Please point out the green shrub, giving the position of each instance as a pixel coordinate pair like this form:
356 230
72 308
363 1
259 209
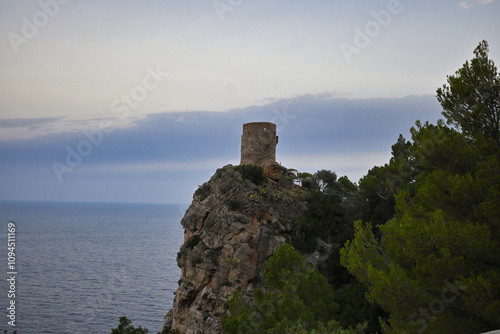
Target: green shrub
196 260
277 195
125 327
169 331
254 173
295 293
193 241
234 205
254 197
203 191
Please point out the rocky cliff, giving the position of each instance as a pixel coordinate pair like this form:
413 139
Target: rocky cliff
234 224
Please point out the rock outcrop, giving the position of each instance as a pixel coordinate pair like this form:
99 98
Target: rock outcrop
231 228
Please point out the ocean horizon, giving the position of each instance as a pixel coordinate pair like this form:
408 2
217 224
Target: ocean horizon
79 266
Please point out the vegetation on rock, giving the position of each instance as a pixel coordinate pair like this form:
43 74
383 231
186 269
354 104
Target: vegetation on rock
125 327
418 237
254 173
426 258
435 267
294 295
203 191
193 241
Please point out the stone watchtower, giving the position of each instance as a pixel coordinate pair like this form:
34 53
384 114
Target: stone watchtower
258 143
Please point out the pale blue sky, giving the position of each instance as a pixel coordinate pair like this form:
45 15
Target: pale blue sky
68 66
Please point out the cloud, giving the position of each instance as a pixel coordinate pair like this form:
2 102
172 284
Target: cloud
138 167
172 153
467 5
32 128
307 123
27 122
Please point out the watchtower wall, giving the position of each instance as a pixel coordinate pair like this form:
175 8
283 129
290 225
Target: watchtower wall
258 143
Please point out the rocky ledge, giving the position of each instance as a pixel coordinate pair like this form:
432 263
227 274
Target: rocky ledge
234 224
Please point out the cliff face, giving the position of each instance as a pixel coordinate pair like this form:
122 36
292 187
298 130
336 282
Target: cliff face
231 228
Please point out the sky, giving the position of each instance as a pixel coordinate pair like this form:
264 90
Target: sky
141 101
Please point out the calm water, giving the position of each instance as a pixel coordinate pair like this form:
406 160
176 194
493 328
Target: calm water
80 266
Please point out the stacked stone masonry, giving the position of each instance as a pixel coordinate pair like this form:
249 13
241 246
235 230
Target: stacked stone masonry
258 144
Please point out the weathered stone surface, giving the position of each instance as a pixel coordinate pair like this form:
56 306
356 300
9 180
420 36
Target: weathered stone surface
237 233
275 171
258 143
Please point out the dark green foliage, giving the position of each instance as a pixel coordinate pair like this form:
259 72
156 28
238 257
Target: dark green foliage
332 206
325 180
325 217
234 205
167 330
305 179
377 189
355 308
281 265
332 327
297 291
254 173
436 267
203 191
193 241
242 319
295 294
303 175
196 260
471 98
125 327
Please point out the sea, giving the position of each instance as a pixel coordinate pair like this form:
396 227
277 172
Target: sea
79 267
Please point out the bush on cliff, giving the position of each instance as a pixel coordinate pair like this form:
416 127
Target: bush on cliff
254 173
203 191
295 295
125 327
193 241
329 200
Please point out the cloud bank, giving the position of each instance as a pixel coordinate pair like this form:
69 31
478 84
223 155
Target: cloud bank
163 157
